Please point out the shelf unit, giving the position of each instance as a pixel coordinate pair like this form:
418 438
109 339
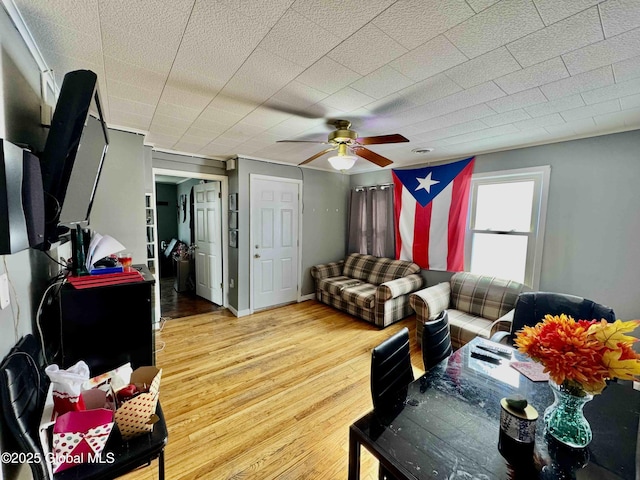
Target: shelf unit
150 213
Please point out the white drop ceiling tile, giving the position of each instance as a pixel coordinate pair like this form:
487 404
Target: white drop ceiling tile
460 129
185 114
460 116
482 134
298 95
433 88
466 98
133 74
65 41
129 119
479 5
414 22
244 131
180 125
619 16
390 105
147 53
265 118
367 50
161 140
605 52
582 82
591 110
224 104
562 37
517 100
382 82
230 139
189 143
298 39
632 101
506 118
133 92
553 11
79 15
534 76
555 106
214 120
497 25
198 129
631 117
294 126
429 59
609 121
167 131
611 92
627 69
328 76
265 12
161 22
185 97
486 67
548 120
340 18
347 99
126 105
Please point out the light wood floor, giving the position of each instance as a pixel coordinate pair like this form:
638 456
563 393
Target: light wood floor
266 396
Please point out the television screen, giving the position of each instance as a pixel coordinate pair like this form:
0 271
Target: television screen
74 154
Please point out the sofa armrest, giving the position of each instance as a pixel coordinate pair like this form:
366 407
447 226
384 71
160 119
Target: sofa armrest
503 324
430 302
326 270
399 286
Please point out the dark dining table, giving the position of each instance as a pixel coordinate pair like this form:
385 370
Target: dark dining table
446 425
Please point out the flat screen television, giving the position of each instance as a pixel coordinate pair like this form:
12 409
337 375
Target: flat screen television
73 155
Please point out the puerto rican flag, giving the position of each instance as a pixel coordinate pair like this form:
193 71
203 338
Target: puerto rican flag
430 211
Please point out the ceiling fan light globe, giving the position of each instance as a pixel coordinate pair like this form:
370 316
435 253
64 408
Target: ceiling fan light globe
342 162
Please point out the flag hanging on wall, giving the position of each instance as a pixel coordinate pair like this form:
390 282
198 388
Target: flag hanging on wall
430 209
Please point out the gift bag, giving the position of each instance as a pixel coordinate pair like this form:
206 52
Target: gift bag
67 386
80 437
137 415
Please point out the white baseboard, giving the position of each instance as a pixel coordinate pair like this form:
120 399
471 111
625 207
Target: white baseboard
241 313
304 298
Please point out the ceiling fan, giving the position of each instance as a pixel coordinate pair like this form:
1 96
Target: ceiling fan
346 141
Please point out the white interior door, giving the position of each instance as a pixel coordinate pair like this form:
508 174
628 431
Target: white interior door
207 207
274 223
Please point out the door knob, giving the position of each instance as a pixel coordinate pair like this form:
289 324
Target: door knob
256 256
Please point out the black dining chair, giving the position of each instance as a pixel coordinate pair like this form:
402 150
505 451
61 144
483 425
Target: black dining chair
391 373
436 341
23 388
531 307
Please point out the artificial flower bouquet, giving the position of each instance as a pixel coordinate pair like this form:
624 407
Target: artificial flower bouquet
581 355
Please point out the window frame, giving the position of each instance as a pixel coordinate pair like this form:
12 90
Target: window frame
540 176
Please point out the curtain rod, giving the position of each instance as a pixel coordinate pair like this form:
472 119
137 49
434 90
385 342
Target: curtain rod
382 186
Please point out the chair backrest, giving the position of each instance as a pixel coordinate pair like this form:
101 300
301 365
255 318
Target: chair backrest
391 370
436 341
531 308
23 387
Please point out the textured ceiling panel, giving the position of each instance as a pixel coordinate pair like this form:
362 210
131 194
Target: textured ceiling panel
222 77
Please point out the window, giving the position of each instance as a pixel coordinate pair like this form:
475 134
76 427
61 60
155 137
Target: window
505 232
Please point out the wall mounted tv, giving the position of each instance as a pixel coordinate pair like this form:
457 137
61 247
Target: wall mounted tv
73 155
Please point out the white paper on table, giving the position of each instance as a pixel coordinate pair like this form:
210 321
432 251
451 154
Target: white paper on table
104 246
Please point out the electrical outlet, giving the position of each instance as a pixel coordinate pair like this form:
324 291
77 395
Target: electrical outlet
4 291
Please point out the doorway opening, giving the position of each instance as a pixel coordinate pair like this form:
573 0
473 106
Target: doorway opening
178 244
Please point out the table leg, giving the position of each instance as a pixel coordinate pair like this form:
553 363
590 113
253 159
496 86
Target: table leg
354 457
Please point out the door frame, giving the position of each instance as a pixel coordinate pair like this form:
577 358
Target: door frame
256 176
224 190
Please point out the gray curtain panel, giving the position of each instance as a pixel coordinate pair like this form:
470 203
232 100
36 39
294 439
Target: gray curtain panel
371 226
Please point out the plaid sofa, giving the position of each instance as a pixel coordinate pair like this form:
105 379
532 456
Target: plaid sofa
372 288
478 305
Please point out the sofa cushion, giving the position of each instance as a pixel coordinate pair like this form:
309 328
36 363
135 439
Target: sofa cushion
362 295
359 266
386 269
482 295
465 327
334 285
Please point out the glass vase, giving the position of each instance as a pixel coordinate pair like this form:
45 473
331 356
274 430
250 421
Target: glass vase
564 418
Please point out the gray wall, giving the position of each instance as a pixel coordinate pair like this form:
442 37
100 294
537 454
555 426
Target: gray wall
186 163
184 228
593 221
324 199
167 214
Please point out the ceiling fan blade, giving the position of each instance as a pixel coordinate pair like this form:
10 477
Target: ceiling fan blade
373 157
393 138
302 141
319 154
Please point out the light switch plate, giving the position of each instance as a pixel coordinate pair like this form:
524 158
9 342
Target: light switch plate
4 291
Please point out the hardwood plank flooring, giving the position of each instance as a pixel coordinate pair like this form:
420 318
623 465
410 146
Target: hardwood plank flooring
183 304
266 396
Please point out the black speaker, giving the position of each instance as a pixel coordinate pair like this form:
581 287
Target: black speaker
21 199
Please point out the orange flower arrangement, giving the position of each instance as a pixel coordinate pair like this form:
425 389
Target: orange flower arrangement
582 354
